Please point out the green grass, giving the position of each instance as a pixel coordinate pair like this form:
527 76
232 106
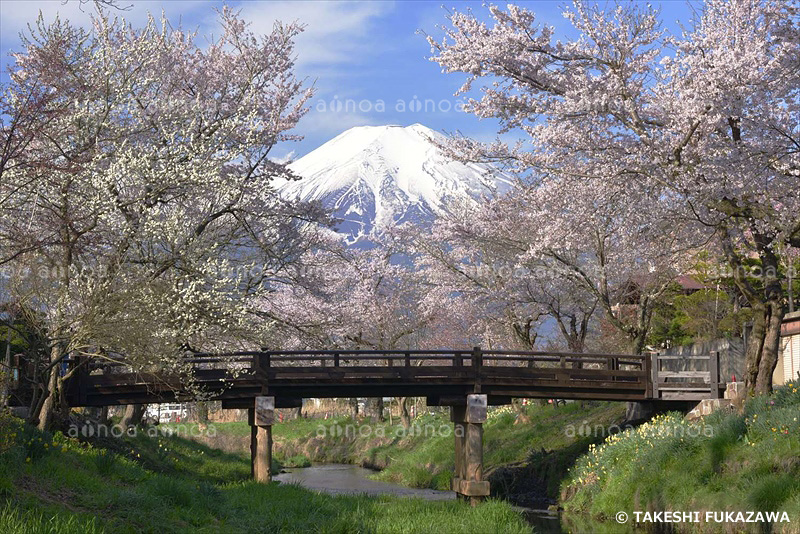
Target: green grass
727 461
13 521
51 483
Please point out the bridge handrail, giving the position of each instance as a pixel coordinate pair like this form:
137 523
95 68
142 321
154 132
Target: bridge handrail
397 354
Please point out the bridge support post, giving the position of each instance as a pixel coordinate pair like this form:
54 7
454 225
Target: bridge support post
261 417
468 422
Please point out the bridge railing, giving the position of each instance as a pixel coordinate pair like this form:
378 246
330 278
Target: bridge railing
475 366
690 377
333 365
475 358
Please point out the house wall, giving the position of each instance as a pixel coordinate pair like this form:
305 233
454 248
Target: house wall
789 357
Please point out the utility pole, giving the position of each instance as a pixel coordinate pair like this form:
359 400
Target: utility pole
716 312
6 370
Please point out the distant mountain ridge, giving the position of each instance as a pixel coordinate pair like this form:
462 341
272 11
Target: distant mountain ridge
376 177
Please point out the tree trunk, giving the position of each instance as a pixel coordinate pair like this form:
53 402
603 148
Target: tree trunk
133 415
761 355
405 414
37 399
754 346
639 411
354 407
101 414
201 409
5 374
298 412
520 415
48 407
377 406
769 347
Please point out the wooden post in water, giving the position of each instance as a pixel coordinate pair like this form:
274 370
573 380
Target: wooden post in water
468 425
263 416
459 432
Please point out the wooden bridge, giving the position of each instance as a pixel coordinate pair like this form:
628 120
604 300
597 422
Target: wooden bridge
466 380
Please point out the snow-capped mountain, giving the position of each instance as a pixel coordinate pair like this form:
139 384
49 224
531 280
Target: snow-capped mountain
376 177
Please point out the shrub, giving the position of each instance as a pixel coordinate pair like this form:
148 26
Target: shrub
10 428
36 444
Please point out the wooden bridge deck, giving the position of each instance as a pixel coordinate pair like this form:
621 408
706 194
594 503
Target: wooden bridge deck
445 377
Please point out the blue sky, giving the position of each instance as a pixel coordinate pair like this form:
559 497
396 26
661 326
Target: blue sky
366 59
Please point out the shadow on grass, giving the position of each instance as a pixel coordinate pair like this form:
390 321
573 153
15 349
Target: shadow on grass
173 484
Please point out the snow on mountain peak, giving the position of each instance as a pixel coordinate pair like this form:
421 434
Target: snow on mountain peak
375 177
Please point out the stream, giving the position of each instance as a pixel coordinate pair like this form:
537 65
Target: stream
342 479
339 479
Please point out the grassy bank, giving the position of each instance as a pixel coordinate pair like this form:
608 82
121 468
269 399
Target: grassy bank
51 483
726 462
423 455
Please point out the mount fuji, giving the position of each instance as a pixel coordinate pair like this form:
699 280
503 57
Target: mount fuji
375 177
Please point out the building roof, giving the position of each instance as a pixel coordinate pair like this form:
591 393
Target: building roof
690 283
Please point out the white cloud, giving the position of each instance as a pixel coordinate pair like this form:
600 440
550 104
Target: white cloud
287 157
336 31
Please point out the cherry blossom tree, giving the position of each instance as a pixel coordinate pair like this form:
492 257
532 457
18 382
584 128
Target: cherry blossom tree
138 214
479 267
352 298
360 299
526 263
700 130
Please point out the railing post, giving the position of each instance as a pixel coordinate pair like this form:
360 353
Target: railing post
261 364
477 363
477 358
457 362
336 359
654 368
713 370
408 359
81 377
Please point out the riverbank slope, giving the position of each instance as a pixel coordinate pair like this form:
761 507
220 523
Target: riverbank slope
51 483
724 462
